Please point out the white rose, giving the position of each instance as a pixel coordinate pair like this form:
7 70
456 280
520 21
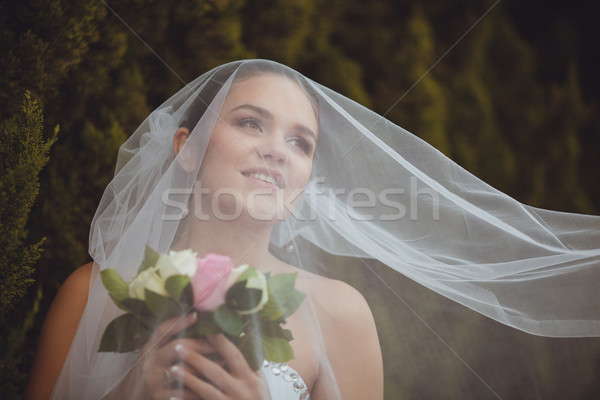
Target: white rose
236 273
256 281
177 263
147 279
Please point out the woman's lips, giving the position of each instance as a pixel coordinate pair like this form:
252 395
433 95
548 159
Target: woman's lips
272 178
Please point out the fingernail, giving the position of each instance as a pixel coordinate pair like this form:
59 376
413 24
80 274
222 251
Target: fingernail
177 371
194 316
181 350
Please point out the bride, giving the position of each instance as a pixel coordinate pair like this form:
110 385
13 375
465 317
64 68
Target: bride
254 161
256 165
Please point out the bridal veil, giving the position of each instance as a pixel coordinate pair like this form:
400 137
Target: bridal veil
383 210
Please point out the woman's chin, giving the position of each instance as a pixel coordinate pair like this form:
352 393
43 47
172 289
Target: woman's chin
266 216
258 216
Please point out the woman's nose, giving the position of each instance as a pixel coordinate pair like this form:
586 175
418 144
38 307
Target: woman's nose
274 150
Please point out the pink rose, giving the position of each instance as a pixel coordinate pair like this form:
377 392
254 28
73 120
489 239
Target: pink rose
210 283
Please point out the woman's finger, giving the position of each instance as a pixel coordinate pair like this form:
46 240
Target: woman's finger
177 388
168 328
179 394
197 384
243 383
172 351
209 380
234 359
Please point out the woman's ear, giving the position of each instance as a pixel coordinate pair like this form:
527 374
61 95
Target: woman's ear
186 159
180 138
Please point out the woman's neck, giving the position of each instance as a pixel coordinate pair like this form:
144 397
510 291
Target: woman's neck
243 243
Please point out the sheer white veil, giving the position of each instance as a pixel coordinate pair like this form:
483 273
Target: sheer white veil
381 205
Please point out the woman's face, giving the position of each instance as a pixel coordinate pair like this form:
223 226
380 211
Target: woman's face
260 155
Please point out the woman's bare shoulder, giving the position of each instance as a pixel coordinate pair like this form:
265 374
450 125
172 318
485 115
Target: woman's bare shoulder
350 336
58 331
337 303
336 298
80 279
72 295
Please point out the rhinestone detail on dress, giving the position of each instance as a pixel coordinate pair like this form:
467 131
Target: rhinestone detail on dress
288 375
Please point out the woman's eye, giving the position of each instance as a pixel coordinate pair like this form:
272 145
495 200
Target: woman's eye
302 144
251 123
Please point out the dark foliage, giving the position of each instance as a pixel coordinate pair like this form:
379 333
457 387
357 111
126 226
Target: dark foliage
512 101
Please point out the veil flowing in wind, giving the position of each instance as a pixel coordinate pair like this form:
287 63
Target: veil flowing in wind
383 210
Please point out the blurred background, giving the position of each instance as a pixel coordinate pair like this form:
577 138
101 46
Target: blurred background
508 89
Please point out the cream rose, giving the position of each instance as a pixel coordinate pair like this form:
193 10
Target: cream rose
147 279
236 273
256 281
177 263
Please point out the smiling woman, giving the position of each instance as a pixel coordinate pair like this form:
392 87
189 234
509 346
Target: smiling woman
260 152
256 162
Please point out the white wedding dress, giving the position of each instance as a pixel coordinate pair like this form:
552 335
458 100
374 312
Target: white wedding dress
284 382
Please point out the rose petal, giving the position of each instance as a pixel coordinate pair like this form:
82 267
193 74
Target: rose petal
210 283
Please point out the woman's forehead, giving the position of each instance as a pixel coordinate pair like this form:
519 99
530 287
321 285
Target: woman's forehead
255 86
276 93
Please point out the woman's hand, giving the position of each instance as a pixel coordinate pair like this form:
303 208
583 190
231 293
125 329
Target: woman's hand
150 377
211 380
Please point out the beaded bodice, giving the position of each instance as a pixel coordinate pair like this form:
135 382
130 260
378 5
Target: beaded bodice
284 382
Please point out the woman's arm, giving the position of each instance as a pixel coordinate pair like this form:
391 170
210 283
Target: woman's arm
58 332
352 346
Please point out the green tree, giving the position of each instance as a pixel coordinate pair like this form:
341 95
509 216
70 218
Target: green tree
422 103
477 132
41 42
45 44
502 107
23 153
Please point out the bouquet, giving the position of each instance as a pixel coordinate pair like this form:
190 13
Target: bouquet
249 307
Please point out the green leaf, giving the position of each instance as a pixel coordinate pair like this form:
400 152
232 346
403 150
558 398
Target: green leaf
175 286
277 349
135 306
293 303
240 298
116 286
150 259
281 284
123 334
287 335
284 300
187 297
250 346
248 273
160 306
275 330
228 320
205 325
120 303
281 287
271 311
256 348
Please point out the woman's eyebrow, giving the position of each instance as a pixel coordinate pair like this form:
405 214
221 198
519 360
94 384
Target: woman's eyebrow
259 110
307 131
267 115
